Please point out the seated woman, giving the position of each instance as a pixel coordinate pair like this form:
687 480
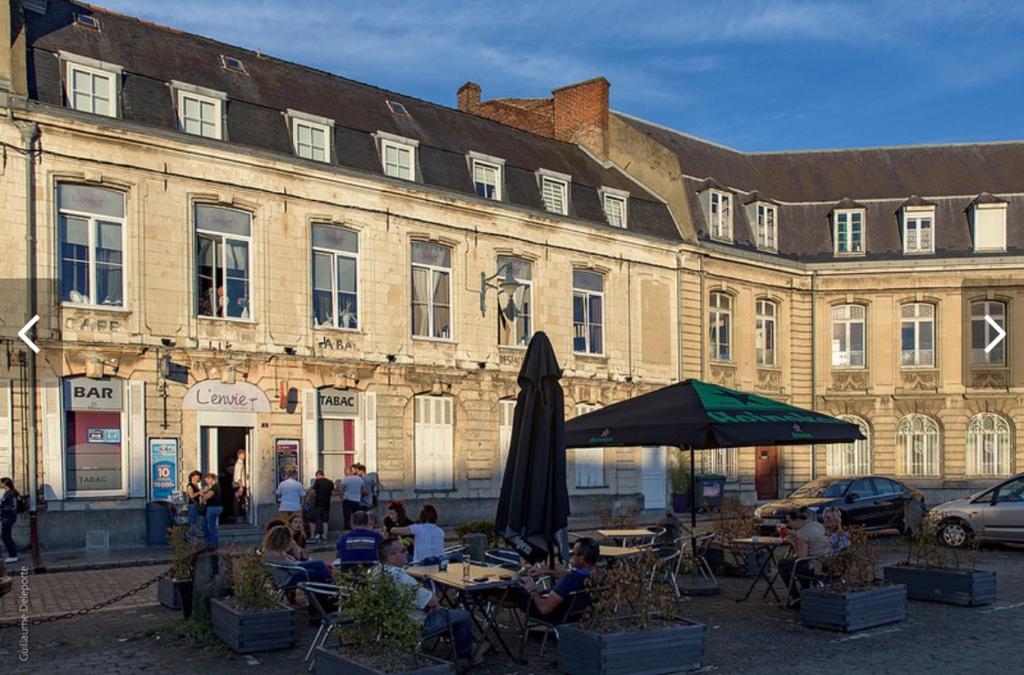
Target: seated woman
428 544
838 539
277 547
298 530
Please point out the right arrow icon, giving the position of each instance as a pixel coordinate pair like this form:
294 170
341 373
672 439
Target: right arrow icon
1000 334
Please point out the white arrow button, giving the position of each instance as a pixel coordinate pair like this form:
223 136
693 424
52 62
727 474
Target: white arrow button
1000 334
23 333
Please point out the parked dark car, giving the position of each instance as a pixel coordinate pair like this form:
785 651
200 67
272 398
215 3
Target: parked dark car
872 502
995 514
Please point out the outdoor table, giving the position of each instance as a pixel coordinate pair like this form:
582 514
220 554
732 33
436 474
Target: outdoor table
624 537
473 592
768 545
616 552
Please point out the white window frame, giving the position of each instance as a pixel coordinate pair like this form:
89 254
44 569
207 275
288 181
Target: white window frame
719 222
767 216
586 460
766 314
997 310
335 254
224 237
111 72
201 95
717 314
925 440
720 460
913 219
297 120
919 358
996 442
525 290
983 212
845 358
487 162
611 196
850 459
434 442
558 181
401 144
432 269
506 414
93 221
587 294
844 218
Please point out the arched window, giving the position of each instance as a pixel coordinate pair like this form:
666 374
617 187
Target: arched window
917 334
848 336
917 442
988 445
850 459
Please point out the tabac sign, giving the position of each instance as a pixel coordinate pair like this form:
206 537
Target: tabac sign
335 402
217 396
84 393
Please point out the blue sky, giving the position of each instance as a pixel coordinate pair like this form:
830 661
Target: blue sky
759 75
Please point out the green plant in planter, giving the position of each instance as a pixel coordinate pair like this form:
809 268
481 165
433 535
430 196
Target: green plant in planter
924 549
251 583
679 475
183 551
624 601
382 613
856 566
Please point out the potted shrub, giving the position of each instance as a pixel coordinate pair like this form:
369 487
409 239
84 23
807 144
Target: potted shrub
630 629
679 477
936 573
854 599
175 590
251 619
382 636
733 521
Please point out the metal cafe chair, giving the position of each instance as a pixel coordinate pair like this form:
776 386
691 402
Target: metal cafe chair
287 577
329 621
665 568
578 603
699 561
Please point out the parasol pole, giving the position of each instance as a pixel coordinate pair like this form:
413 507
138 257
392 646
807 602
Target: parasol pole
693 512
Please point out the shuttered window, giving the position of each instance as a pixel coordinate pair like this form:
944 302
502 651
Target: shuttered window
589 462
554 192
506 411
434 442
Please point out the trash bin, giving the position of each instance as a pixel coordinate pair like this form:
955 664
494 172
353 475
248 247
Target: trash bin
158 519
710 489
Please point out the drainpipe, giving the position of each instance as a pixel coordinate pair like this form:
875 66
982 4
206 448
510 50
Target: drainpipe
29 136
814 369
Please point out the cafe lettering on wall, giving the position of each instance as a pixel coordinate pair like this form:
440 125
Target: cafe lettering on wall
84 393
217 396
338 401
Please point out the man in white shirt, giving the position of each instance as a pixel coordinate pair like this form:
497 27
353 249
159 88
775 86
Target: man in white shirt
291 493
240 483
352 490
428 612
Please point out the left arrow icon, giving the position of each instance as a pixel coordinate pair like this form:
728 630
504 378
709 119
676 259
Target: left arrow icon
23 333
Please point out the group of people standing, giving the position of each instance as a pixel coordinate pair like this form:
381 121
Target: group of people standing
359 491
206 502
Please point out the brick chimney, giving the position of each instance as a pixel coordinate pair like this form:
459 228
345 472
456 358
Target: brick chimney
581 114
469 97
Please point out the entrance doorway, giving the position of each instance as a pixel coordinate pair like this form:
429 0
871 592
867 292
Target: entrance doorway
653 477
218 450
766 472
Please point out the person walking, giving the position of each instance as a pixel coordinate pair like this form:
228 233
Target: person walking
240 483
366 501
352 488
321 514
290 493
8 517
211 499
193 490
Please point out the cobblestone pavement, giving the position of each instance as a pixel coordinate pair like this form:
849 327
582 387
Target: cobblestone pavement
751 637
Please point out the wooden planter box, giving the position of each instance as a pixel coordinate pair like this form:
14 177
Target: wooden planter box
662 650
169 591
967 588
853 610
330 662
247 632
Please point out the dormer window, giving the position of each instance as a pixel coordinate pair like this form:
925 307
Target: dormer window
616 206
397 155
988 223
554 191
487 175
720 215
91 86
232 63
848 235
311 136
918 227
200 110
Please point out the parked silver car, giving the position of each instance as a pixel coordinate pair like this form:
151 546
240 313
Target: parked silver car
995 514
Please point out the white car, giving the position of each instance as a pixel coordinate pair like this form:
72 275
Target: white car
995 514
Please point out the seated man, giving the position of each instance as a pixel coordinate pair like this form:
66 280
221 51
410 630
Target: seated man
360 543
808 538
429 612
554 606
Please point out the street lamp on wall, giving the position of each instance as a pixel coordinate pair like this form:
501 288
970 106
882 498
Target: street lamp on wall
506 285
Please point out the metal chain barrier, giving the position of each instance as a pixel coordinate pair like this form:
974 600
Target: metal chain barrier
98 605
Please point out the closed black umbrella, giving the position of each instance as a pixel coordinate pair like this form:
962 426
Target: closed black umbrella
694 415
533 507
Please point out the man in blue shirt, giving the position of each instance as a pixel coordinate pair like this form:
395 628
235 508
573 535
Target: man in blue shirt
360 544
554 606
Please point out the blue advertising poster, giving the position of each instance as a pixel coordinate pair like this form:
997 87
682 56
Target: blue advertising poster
163 462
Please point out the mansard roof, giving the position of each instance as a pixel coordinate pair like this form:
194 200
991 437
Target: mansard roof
151 56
